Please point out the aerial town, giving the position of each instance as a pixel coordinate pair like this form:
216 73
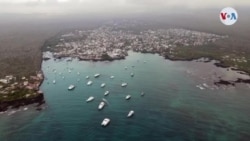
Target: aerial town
111 42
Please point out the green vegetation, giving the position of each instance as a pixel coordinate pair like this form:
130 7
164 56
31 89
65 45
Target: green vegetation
18 94
230 52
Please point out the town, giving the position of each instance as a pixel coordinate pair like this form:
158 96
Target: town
112 41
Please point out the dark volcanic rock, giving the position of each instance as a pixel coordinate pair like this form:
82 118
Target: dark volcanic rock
21 102
239 80
224 82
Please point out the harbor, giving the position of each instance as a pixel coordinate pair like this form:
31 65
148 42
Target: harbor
164 104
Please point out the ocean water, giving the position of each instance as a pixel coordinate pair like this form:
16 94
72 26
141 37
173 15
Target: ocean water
172 109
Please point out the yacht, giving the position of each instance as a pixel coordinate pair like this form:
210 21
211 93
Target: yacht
124 84
130 114
112 77
101 105
142 93
89 83
91 98
71 87
132 74
87 77
96 75
103 85
106 93
54 81
105 122
200 87
128 97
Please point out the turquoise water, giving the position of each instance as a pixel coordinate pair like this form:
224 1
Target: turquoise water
173 109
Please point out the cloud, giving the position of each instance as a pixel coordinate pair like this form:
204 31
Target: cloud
115 6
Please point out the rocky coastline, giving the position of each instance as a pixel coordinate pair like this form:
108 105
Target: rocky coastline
16 92
15 104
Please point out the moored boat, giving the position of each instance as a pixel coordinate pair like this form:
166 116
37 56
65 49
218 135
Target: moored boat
124 84
130 114
71 87
97 75
101 105
91 98
106 93
103 85
105 122
128 97
89 83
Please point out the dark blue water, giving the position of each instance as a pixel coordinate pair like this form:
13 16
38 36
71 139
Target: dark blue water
173 109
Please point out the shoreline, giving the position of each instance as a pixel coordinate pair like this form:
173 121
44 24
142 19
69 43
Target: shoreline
218 64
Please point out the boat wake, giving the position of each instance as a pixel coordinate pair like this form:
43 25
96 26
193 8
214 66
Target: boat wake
106 101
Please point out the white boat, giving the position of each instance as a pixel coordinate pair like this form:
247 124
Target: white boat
54 81
101 105
87 77
132 74
71 87
97 75
128 97
142 93
130 114
112 77
89 83
106 93
124 84
103 85
91 98
200 87
105 122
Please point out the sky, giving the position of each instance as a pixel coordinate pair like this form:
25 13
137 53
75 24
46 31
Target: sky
112 6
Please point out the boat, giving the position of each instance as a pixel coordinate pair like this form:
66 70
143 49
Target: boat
89 83
112 77
132 74
71 87
87 77
128 97
105 122
103 85
124 84
97 75
78 73
106 93
91 98
101 105
54 81
130 114
200 87
142 93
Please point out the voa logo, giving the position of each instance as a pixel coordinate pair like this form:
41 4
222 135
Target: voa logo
228 16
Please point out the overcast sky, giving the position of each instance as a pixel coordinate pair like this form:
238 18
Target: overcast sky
111 6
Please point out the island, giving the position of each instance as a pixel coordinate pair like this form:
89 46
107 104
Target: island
113 40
